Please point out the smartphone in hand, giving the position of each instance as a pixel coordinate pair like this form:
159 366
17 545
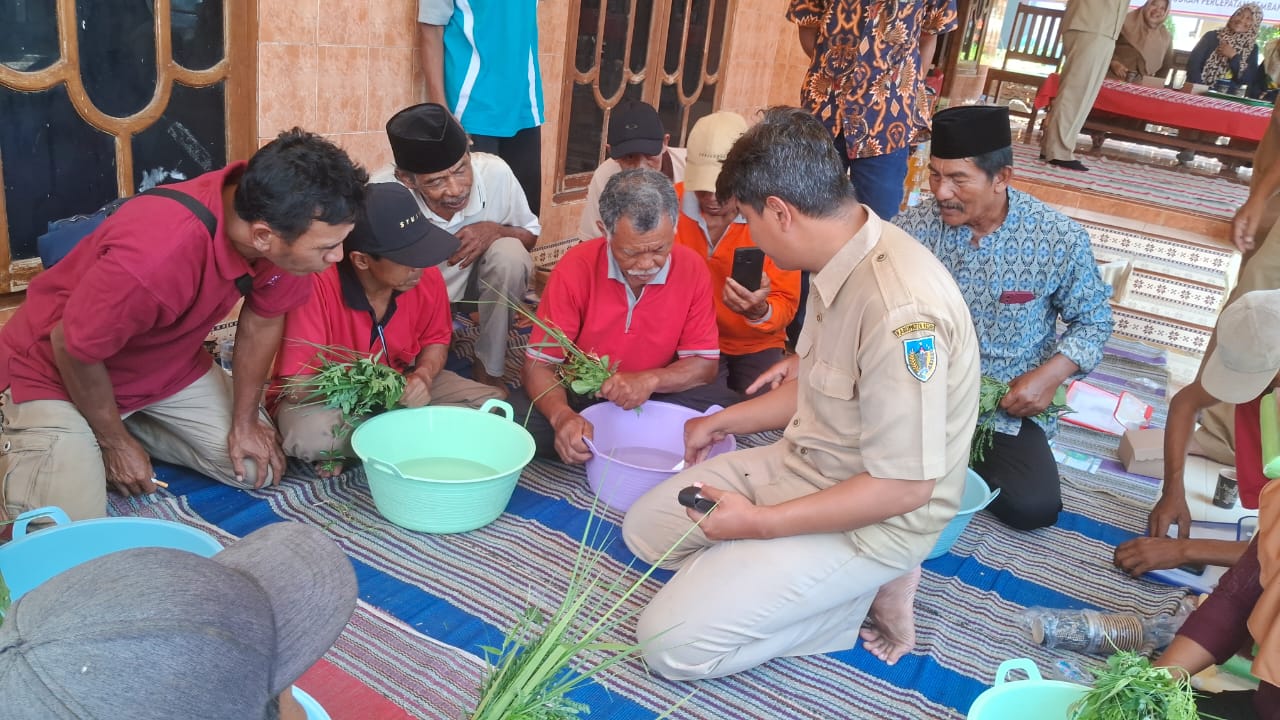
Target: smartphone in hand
748 264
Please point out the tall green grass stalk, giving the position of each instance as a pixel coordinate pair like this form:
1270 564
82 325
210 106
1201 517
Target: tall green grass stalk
541 660
582 372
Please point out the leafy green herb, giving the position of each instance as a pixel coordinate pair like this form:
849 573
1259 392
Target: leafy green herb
354 384
582 372
990 394
1128 688
541 659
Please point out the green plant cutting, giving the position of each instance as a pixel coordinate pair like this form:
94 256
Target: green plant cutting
582 372
1129 688
989 397
541 659
354 384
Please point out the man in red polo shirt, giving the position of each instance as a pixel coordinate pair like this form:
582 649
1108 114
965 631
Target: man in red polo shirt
753 323
386 296
632 295
104 363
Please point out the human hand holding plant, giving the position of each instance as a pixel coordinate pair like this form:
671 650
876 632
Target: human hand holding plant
990 396
628 390
417 390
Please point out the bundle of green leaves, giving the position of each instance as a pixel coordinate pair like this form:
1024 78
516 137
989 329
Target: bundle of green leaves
990 394
1128 688
582 372
354 384
544 658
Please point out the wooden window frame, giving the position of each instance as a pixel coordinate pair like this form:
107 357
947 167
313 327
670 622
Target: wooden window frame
571 187
240 28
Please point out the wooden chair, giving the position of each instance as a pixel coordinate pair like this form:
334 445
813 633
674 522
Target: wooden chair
1036 37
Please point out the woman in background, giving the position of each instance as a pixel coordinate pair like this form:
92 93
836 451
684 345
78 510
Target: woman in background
1145 46
1229 53
1266 78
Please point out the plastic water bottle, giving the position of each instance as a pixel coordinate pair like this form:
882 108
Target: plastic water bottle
226 351
1090 631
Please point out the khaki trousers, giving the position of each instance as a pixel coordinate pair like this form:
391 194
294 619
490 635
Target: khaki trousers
504 269
734 605
49 455
314 432
1088 55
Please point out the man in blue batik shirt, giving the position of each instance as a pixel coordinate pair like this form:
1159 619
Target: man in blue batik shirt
1021 266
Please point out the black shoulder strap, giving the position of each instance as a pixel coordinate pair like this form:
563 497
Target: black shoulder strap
244 283
197 208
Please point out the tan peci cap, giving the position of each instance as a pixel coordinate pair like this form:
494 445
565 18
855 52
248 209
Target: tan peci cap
1247 357
709 143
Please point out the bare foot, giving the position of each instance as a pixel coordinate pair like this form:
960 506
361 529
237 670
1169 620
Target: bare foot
891 632
327 468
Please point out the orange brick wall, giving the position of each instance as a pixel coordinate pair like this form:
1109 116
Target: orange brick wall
342 67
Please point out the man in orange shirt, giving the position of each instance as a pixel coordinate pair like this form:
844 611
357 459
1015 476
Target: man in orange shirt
752 323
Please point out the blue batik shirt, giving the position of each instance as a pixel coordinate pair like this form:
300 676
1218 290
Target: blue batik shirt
1035 268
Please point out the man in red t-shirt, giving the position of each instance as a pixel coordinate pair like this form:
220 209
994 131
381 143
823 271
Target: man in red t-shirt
635 296
104 363
1242 369
385 297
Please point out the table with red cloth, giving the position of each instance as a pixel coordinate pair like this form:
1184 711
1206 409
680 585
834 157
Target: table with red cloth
1244 124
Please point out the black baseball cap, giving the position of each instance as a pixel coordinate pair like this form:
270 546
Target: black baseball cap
634 127
393 226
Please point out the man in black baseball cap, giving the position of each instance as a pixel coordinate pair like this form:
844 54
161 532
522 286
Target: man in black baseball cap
635 139
386 299
475 196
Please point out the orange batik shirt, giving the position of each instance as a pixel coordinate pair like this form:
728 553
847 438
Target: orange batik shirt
865 79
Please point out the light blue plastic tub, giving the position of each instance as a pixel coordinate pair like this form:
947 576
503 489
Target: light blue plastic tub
977 495
30 559
309 704
443 501
1034 697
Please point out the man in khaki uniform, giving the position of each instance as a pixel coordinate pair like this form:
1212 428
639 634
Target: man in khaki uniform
1089 32
831 522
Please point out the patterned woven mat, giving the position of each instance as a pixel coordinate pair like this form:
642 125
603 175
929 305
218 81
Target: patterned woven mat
1148 182
430 602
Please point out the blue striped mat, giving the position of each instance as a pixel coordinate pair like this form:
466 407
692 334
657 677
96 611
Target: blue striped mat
429 603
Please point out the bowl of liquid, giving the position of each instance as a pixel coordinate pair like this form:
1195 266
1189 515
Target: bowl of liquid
443 469
634 450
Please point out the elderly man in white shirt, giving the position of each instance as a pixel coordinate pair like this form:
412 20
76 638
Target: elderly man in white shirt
476 197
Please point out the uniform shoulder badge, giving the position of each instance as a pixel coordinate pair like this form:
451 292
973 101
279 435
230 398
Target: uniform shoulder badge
917 326
921 356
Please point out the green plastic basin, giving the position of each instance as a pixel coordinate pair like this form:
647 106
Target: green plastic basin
477 456
1022 699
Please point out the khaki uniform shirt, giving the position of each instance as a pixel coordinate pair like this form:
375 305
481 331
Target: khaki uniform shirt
1104 17
889 378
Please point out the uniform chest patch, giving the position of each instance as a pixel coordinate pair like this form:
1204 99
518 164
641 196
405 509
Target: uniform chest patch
922 358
